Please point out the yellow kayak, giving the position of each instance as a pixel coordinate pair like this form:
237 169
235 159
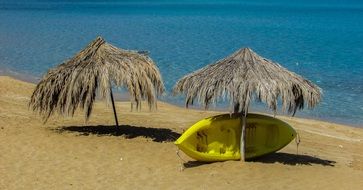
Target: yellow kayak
217 138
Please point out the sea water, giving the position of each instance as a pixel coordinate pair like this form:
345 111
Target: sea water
321 40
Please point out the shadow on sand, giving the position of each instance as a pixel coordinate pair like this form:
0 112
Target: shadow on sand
294 159
280 157
127 131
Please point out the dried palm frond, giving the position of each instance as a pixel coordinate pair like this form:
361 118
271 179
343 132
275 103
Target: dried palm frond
74 83
244 75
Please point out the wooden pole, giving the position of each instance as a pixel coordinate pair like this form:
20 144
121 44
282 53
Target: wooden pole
113 107
243 130
243 137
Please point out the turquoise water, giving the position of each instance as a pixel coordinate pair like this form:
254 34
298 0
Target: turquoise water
321 40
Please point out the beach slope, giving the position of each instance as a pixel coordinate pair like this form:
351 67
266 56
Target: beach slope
68 153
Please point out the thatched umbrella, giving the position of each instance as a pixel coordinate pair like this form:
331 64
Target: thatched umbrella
75 82
244 76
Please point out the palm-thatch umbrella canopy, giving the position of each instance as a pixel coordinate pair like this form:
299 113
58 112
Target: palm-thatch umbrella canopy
75 82
244 76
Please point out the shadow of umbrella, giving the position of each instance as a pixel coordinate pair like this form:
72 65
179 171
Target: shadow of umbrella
127 131
294 159
283 158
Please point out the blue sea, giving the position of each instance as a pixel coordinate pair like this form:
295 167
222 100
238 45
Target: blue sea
321 40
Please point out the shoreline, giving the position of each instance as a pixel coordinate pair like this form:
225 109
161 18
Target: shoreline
19 76
124 97
305 117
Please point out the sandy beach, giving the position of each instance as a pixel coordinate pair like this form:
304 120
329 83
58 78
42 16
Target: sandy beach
67 153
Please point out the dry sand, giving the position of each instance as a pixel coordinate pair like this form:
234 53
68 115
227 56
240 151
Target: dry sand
67 153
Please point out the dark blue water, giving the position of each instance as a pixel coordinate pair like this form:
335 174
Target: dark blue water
321 40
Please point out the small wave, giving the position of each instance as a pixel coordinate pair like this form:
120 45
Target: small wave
18 75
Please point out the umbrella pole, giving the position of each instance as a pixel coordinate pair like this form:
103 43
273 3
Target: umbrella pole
113 107
243 137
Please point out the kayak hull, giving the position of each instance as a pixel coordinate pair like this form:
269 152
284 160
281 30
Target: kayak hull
217 138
